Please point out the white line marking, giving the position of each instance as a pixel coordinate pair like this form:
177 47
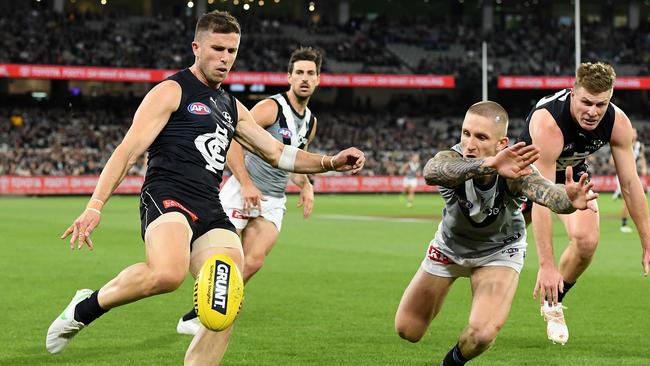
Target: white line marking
373 218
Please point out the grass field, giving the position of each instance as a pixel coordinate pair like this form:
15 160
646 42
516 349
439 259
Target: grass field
326 296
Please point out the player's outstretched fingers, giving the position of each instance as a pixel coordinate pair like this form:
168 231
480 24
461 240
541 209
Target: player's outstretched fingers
89 242
75 234
568 175
67 232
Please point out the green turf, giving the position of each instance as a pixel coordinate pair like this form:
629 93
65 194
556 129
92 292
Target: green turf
326 296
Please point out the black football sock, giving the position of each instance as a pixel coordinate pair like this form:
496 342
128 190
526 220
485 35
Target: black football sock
88 310
190 315
567 287
454 357
624 221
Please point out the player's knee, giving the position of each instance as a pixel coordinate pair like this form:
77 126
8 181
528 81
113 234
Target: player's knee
482 336
586 245
253 264
407 330
166 281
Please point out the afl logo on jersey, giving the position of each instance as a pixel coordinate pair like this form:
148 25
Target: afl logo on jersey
198 108
285 133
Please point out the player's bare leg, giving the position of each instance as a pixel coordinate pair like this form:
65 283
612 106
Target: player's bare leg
208 347
411 196
420 303
168 258
583 229
625 215
258 239
493 289
167 250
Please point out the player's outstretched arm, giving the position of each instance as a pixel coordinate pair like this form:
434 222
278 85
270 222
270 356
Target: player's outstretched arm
289 158
562 199
545 132
150 118
631 187
450 169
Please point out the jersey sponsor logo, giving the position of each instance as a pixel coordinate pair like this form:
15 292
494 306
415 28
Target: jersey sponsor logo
198 108
220 294
240 214
172 203
213 147
285 133
434 254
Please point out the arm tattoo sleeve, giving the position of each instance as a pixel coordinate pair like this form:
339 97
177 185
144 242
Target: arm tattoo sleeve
449 169
542 191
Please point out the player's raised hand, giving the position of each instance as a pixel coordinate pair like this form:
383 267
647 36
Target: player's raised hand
306 200
580 193
514 161
82 227
251 197
350 159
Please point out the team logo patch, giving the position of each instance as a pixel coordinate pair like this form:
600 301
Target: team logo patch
198 108
285 133
227 117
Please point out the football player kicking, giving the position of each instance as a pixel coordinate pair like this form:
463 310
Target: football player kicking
186 123
254 198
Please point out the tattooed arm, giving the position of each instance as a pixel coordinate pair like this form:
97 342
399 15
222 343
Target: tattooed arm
450 169
560 198
542 191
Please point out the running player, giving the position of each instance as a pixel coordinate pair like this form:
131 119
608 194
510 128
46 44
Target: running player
642 168
411 171
254 198
482 234
571 125
186 123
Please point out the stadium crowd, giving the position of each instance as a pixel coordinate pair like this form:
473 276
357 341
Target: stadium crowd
361 45
58 141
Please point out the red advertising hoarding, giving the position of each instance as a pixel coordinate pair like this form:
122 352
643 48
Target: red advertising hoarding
560 82
51 185
265 78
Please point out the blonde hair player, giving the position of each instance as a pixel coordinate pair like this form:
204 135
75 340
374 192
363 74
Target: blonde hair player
571 125
482 234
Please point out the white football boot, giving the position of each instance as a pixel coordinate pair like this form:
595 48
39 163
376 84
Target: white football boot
189 327
64 327
626 229
556 328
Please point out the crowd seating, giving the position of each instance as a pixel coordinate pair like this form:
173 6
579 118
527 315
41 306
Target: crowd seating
530 47
58 141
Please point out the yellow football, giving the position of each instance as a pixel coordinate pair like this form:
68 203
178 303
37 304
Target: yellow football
218 292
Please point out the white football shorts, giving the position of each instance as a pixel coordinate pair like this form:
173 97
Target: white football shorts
230 195
441 262
410 182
